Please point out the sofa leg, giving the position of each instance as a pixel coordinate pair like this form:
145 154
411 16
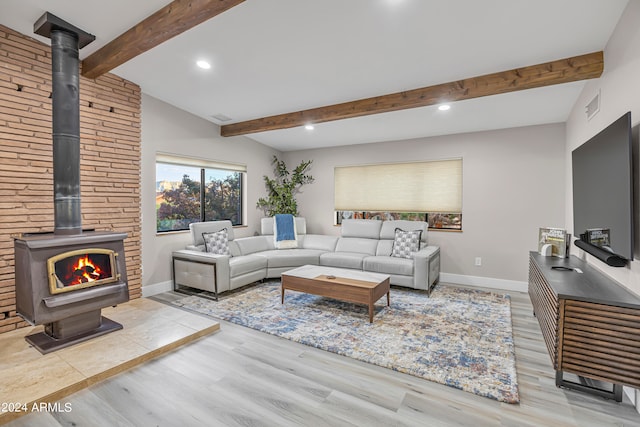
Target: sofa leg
431 286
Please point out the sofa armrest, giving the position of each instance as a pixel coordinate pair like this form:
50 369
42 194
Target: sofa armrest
427 251
195 248
426 264
200 256
187 273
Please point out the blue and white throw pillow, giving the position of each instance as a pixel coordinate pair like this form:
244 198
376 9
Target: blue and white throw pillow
406 243
217 242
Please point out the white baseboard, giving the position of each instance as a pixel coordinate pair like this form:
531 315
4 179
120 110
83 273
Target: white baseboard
485 282
157 288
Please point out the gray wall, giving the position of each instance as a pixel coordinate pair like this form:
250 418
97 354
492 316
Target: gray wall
619 88
171 130
513 183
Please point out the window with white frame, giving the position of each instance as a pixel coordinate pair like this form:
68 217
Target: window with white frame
195 190
426 191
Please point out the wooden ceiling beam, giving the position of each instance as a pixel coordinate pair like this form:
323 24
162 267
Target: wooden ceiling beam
173 19
566 70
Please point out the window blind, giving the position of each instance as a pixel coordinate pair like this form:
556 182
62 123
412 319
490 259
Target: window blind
433 186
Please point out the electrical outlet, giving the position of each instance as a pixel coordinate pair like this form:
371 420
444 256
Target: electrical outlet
478 261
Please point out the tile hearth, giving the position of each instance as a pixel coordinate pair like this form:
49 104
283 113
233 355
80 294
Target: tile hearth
150 330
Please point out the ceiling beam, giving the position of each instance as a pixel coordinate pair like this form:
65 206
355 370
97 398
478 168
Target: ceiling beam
566 70
173 19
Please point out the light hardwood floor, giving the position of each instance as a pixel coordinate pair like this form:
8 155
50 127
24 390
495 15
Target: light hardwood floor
241 377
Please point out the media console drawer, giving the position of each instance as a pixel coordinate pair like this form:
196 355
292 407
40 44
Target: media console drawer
590 324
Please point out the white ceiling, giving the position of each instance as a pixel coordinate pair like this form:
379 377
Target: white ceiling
278 56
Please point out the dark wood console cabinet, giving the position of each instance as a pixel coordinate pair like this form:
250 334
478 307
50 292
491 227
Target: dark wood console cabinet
590 324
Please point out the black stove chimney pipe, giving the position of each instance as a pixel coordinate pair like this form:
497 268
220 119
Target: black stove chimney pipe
66 41
66 132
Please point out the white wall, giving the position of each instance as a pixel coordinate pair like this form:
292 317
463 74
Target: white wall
619 88
171 130
513 183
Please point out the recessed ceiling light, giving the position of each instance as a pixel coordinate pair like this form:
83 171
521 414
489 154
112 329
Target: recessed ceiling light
203 64
444 107
309 127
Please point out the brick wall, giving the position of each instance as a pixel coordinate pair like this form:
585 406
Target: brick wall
110 158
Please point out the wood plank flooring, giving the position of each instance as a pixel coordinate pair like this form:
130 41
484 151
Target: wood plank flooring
241 377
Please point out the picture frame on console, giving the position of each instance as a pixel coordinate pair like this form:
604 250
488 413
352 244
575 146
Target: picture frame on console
557 238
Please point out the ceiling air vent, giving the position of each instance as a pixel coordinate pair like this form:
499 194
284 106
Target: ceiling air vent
220 118
593 107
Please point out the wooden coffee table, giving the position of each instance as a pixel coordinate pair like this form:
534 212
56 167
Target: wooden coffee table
339 283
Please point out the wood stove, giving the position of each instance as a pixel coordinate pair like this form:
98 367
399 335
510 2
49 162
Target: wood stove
51 292
65 278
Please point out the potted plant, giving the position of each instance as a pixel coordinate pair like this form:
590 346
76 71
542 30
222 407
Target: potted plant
282 189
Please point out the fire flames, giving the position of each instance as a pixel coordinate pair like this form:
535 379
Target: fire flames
85 271
81 269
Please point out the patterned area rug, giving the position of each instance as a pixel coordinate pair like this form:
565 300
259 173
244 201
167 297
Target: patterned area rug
458 337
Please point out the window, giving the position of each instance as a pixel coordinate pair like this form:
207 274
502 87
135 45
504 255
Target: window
436 220
190 190
422 191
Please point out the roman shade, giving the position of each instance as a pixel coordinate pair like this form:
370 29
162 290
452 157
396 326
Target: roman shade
432 186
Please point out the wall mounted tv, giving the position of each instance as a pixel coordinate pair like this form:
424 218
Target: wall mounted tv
603 194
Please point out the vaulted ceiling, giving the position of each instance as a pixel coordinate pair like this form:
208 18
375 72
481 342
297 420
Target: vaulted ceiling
315 58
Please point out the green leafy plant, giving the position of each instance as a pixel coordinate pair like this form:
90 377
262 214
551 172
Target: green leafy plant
282 189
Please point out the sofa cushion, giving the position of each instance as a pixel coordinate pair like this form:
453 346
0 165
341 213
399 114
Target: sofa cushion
217 242
320 242
388 265
246 264
249 245
384 247
366 228
406 243
355 244
343 259
291 257
234 249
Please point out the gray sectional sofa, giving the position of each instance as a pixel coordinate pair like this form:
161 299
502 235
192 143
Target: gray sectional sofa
363 245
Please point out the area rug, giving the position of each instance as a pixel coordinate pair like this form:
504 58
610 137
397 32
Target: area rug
458 337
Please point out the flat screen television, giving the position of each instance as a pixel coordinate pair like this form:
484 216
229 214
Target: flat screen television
603 193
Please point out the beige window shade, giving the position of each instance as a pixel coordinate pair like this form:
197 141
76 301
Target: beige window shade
434 186
200 163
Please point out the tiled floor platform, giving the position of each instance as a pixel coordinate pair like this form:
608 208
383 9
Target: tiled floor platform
150 329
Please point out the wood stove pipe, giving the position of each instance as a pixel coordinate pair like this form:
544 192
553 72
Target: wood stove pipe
66 41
